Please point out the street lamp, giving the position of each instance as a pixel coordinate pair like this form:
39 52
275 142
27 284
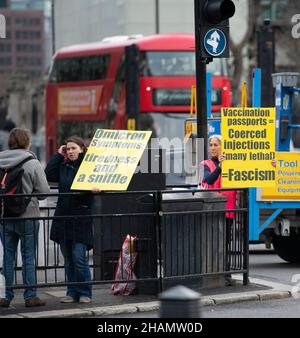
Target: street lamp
34 114
53 25
156 16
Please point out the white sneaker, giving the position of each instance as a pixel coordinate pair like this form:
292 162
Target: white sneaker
84 300
68 300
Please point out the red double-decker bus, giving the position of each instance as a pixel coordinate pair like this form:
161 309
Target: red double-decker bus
149 79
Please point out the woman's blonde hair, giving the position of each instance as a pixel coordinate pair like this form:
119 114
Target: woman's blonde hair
218 137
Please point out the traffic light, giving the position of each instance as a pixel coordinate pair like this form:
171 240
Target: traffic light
212 18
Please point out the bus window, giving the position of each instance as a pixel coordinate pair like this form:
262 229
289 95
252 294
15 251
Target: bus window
168 125
175 63
218 67
78 69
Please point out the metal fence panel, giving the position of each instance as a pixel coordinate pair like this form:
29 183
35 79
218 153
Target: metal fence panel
180 236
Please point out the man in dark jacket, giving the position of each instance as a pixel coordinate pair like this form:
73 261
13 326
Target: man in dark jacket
75 235
25 229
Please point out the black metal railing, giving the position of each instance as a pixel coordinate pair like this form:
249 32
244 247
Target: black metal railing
175 235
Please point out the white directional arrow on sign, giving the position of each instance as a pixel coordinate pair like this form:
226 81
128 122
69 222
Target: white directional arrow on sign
214 41
215 36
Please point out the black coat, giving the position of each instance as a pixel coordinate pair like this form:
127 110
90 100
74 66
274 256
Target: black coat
79 230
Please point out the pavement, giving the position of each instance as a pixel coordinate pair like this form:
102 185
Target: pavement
106 304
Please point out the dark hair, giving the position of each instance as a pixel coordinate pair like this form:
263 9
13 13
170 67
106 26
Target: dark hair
19 138
78 140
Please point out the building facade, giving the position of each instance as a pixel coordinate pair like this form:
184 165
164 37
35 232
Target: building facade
23 65
22 51
39 5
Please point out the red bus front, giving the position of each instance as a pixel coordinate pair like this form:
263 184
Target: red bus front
86 88
165 90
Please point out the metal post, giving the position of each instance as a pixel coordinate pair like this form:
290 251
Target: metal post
179 302
156 16
200 83
253 205
53 25
132 86
266 61
158 220
246 238
34 114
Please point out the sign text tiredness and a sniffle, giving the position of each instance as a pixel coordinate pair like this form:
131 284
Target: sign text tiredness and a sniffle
248 141
111 159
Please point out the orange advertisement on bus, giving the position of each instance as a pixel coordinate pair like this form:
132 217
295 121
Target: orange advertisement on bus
79 100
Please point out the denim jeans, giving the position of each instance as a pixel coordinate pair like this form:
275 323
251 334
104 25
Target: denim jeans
77 268
11 233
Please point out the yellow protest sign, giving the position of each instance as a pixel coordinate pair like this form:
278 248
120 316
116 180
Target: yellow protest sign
248 141
111 159
287 178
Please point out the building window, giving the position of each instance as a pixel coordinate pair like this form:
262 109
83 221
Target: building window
273 10
36 48
5 61
5 48
3 3
34 73
35 22
29 48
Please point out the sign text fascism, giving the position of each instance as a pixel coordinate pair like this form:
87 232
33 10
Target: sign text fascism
248 141
287 178
111 159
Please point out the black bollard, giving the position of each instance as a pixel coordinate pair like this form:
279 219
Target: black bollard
179 302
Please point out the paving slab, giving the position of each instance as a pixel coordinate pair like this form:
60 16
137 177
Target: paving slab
104 303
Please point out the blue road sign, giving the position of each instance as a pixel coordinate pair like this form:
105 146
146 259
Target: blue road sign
215 42
213 127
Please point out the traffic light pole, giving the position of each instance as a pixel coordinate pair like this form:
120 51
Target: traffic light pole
201 102
200 84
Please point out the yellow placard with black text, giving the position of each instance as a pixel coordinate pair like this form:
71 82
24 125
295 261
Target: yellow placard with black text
111 160
248 141
287 178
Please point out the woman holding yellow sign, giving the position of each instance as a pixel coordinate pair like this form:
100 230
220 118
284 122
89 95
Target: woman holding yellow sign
74 235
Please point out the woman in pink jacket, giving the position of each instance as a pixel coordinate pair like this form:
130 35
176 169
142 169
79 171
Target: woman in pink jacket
212 173
212 179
